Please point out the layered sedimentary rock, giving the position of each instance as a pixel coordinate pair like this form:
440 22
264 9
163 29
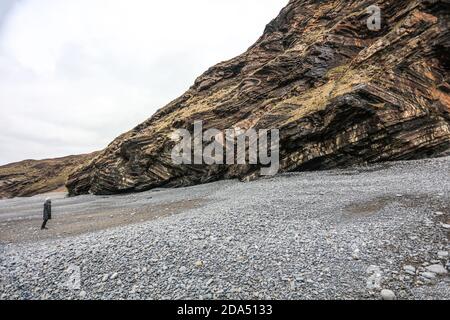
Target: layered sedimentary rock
339 92
31 177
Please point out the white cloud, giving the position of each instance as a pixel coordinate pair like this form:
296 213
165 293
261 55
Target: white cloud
75 74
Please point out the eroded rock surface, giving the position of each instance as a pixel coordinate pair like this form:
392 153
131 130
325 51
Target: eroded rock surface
32 177
339 93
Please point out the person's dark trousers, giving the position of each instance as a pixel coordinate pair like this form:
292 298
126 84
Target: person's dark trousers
43 224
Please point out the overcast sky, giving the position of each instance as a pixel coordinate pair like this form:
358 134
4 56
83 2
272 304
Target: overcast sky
75 74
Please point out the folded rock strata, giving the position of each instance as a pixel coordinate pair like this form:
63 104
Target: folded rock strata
340 94
31 177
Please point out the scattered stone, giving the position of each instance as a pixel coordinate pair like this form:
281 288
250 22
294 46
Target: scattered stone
373 269
434 261
199 263
355 254
437 268
410 269
387 294
182 269
292 285
429 275
374 281
317 264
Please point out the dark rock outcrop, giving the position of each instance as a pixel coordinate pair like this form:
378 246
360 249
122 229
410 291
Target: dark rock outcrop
339 93
31 177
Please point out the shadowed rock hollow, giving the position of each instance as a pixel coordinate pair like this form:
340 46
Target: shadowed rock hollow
339 93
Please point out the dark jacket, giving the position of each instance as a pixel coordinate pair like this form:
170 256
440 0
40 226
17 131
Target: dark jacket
47 210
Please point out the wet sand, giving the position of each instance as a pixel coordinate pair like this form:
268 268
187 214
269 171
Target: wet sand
21 222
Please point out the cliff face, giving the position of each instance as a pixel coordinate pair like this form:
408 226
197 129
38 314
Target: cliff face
339 93
30 177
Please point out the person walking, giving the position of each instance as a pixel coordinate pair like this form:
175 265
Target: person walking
47 213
